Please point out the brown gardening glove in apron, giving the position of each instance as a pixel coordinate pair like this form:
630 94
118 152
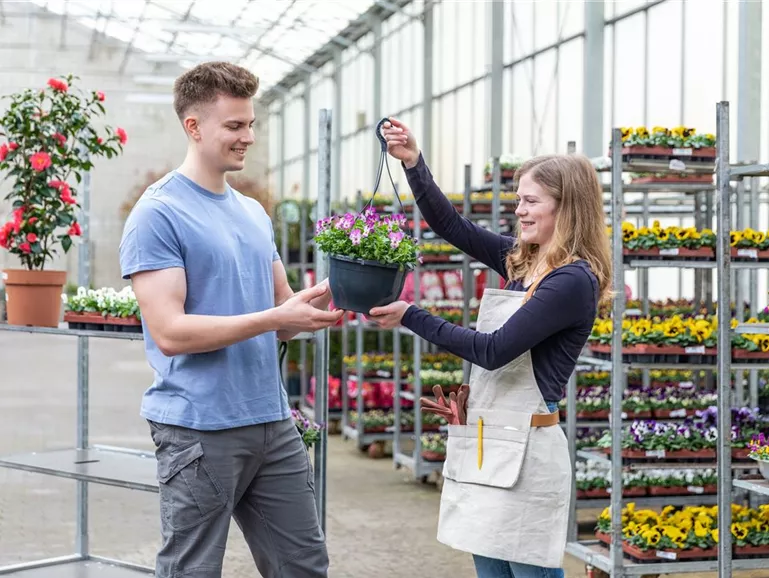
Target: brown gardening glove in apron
454 410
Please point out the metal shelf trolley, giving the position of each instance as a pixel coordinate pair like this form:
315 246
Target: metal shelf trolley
611 559
128 468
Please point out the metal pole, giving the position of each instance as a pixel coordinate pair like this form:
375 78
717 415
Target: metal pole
306 134
617 373
359 320
496 82
417 364
571 436
593 79
84 280
723 266
398 383
492 278
284 258
754 223
303 375
468 285
427 81
321 338
738 289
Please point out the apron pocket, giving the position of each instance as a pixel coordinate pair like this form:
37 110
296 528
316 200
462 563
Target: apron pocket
501 456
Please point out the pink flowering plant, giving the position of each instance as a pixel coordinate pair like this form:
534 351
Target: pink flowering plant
308 429
47 138
368 236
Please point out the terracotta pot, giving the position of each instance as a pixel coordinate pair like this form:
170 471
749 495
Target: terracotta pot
668 491
707 178
34 297
429 456
675 252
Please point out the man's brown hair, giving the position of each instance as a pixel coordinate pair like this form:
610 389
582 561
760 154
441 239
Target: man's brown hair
205 82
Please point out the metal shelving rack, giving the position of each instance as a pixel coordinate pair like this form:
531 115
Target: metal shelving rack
612 559
88 464
130 468
419 467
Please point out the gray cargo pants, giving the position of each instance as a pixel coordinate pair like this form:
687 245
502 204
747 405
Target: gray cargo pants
261 476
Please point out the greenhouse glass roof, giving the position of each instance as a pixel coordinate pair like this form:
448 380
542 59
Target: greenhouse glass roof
270 37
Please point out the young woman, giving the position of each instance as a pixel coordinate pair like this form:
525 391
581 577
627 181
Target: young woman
507 475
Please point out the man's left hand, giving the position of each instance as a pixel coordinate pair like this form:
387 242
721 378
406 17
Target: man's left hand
389 316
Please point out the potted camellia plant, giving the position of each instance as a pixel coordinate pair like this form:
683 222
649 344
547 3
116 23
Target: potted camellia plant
369 258
48 140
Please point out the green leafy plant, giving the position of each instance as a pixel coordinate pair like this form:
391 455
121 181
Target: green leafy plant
50 138
367 236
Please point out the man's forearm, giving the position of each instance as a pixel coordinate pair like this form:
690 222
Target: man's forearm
187 334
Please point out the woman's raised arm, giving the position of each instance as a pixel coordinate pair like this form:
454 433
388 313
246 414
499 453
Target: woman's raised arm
481 244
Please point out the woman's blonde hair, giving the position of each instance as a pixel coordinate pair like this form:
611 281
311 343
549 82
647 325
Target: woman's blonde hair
580 231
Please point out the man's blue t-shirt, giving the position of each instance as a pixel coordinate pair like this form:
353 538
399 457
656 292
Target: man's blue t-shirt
225 244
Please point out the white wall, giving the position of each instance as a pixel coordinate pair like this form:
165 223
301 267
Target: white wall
37 46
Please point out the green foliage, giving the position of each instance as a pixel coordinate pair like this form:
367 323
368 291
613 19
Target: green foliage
51 139
367 236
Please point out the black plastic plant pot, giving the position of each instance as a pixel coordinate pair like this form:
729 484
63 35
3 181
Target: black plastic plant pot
359 285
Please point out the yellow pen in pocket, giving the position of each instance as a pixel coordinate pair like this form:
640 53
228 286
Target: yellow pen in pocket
480 442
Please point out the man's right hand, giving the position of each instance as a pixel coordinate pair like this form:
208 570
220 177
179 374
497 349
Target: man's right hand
298 314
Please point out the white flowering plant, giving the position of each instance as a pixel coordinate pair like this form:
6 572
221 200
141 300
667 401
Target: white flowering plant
105 301
368 236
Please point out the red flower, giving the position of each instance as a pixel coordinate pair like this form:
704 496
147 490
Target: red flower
66 196
40 161
18 217
100 96
60 138
75 230
3 152
13 145
57 84
5 235
99 140
32 220
121 135
57 184
31 237
25 248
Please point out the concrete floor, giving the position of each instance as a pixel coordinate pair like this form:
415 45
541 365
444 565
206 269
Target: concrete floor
380 524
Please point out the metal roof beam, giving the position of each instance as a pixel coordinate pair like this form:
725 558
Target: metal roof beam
356 30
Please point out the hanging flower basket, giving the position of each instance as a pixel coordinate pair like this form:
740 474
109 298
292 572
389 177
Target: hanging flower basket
369 255
369 258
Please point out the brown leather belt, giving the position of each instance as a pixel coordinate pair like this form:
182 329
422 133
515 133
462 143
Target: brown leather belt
545 419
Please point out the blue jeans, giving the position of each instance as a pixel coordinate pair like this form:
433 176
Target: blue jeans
492 568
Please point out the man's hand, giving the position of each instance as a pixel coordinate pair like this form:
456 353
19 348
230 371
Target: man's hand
299 313
323 301
389 316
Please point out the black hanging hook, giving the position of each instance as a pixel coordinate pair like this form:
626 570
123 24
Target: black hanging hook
381 138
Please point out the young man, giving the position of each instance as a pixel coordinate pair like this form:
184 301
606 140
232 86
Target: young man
214 297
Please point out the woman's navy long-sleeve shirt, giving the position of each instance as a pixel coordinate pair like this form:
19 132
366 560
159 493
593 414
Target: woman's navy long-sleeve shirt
554 324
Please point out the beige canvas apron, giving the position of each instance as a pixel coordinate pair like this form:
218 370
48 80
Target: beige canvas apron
511 500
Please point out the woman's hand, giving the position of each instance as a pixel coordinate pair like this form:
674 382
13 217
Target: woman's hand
401 144
389 316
